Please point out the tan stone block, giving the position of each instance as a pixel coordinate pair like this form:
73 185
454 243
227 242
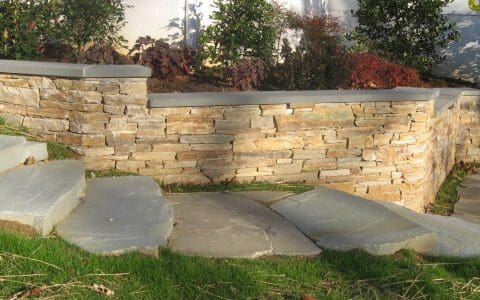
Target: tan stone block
409 108
205 155
320 164
121 127
267 144
87 117
133 88
337 153
12 119
169 147
20 96
92 140
151 133
368 155
386 154
206 139
102 151
213 112
156 156
86 128
285 169
382 139
252 172
167 111
354 163
309 154
68 138
13 109
262 123
397 124
277 112
236 113
20 82
85 85
108 88
370 121
348 132
233 125
334 173
114 109
75 96
134 110
127 149
63 84
373 183
41 83
46 125
347 187
268 155
180 164
120 138
243 133
361 142
378 169
321 117
301 105
85 107
284 161
129 165
100 165
180 124
54 95
209 147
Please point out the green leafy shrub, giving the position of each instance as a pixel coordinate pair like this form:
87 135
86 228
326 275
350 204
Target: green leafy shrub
405 31
318 62
241 28
26 27
91 21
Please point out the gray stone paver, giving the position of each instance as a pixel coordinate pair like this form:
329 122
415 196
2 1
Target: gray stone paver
120 215
230 225
340 221
468 204
41 195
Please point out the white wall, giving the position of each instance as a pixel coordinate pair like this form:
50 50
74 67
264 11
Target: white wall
164 19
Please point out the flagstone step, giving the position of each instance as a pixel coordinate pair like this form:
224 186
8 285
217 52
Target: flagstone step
15 150
41 195
231 225
120 215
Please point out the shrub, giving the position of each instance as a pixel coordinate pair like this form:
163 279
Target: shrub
240 28
102 53
318 62
165 60
91 21
26 27
247 73
369 71
407 32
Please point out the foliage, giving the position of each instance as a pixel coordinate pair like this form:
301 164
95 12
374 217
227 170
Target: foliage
102 53
247 73
26 27
405 31
91 21
296 188
318 62
370 71
165 60
241 28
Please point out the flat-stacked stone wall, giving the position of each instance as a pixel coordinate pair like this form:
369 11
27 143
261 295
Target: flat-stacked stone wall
395 145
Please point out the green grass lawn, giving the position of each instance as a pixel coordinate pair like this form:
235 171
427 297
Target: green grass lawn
52 268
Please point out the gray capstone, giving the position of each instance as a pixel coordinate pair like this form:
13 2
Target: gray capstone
120 215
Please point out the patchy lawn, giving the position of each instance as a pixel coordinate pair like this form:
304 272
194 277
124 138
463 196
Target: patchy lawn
447 196
48 267
55 151
237 187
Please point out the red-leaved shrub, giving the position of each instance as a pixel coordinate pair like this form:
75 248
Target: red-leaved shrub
165 60
247 73
370 71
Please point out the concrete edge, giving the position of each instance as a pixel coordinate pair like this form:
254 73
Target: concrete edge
73 70
281 97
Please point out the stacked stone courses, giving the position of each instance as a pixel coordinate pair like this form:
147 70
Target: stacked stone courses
393 146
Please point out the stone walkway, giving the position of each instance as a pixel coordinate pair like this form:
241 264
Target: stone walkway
130 214
468 205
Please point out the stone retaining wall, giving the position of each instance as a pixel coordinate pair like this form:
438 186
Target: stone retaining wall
385 145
